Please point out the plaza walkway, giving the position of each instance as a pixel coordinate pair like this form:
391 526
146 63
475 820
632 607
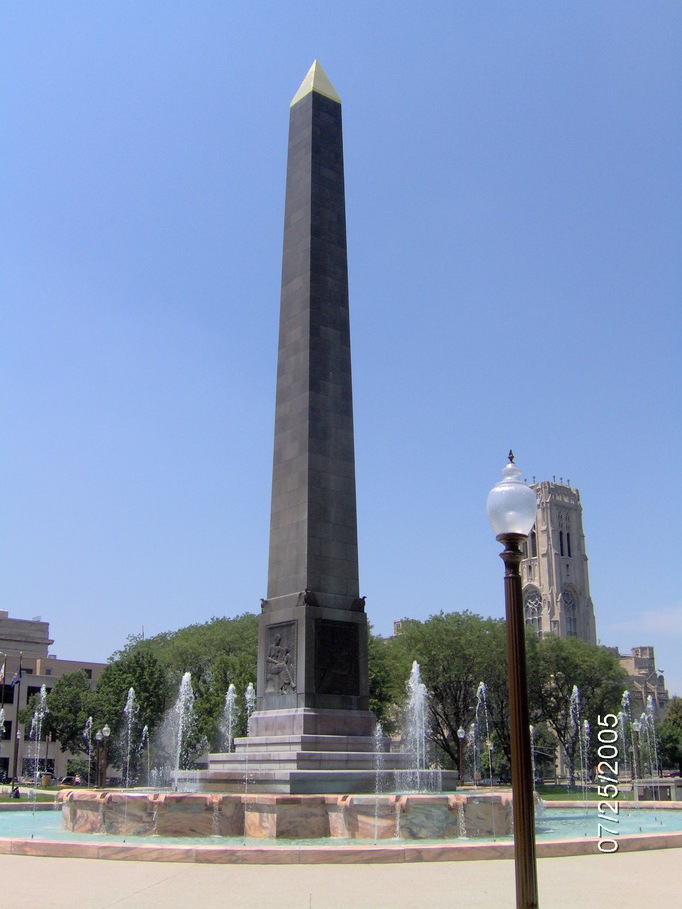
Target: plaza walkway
623 880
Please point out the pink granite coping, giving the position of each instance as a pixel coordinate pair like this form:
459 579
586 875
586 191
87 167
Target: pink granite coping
325 854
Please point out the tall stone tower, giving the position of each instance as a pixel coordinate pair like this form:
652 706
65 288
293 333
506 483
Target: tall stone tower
312 731
556 585
312 673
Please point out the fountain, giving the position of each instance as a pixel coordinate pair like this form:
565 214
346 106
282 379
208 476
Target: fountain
36 733
406 794
418 776
228 719
175 736
482 707
146 744
379 816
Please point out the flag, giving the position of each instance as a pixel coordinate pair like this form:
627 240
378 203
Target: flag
17 675
2 671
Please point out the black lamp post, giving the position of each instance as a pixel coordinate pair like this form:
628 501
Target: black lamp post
511 511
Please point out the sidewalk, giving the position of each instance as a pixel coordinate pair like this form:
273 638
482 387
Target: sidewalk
623 880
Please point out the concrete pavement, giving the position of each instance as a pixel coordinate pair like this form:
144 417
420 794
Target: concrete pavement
622 880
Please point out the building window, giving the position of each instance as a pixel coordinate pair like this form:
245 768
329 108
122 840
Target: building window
533 544
7 731
533 610
88 673
570 613
8 695
568 544
561 542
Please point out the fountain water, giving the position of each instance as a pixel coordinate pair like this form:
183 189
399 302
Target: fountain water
87 735
473 745
418 777
532 754
482 708
625 717
130 712
228 720
378 770
482 721
651 724
250 702
182 720
36 732
145 744
576 737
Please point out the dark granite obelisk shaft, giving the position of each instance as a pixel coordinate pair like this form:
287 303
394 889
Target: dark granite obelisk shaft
313 634
313 530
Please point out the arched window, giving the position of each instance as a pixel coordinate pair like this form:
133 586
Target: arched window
533 610
568 544
570 613
533 544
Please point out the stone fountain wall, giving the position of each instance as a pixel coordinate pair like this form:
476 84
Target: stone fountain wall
422 816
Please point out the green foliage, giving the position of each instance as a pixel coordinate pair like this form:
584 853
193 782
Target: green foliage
381 681
80 767
138 669
69 704
216 653
669 733
455 651
563 663
545 751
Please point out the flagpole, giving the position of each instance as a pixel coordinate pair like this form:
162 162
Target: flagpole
2 681
16 684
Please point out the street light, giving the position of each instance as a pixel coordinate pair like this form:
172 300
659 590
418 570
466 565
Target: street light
511 510
98 740
461 735
106 732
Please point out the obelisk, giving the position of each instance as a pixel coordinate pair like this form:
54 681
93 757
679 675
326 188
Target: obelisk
312 672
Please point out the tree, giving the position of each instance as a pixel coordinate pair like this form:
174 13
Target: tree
69 704
670 735
215 653
565 663
381 683
140 670
455 651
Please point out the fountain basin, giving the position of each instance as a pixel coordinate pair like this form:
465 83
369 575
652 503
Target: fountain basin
274 816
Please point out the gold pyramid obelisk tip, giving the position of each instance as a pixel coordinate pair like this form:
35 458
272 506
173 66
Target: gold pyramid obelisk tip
316 81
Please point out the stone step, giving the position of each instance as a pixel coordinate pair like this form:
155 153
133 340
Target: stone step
313 743
279 780
310 760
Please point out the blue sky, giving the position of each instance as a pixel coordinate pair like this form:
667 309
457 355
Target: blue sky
513 206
